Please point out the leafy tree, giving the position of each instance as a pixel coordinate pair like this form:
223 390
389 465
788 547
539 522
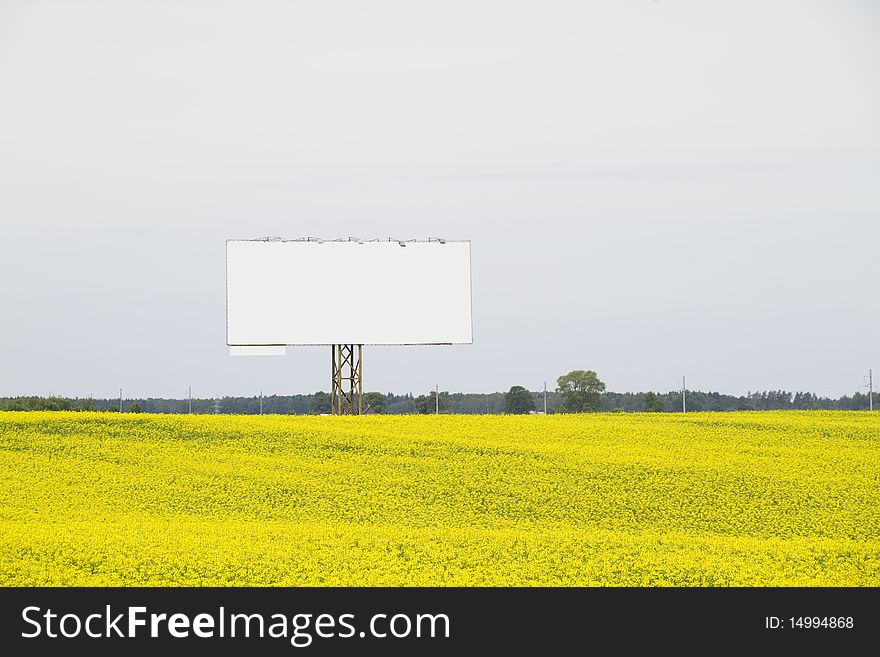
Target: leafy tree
581 391
427 404
135 408
518 400
397 404
320 403
375 401
653 403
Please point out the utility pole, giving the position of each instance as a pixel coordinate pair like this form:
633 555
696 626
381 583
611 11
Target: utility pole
261 402
545 398
437 398
120 400
684 408
216 405
190 400
870 390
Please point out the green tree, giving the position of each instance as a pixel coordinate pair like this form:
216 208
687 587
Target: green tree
581 391
427 404
518 400
135 408
653 403
320 403
375 401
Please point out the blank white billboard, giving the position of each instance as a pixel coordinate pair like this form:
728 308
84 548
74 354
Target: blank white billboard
296 292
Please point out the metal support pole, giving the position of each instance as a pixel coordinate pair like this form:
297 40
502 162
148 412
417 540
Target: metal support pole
346 394
684 407
360 378
333 383
437 398
545 398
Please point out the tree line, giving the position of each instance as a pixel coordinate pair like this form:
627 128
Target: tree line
577 391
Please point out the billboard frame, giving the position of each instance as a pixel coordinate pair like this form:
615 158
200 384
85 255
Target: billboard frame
347 357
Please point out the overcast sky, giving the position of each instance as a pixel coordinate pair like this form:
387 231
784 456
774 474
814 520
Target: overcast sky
652 189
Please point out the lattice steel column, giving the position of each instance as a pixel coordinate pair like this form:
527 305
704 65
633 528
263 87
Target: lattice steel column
346 387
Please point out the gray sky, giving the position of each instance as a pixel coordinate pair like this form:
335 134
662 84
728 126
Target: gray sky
652 188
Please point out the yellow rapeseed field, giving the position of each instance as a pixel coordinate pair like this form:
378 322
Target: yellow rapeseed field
704 499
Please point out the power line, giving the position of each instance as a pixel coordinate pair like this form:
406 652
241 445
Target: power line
870 387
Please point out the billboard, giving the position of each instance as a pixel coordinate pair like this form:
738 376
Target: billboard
311 292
